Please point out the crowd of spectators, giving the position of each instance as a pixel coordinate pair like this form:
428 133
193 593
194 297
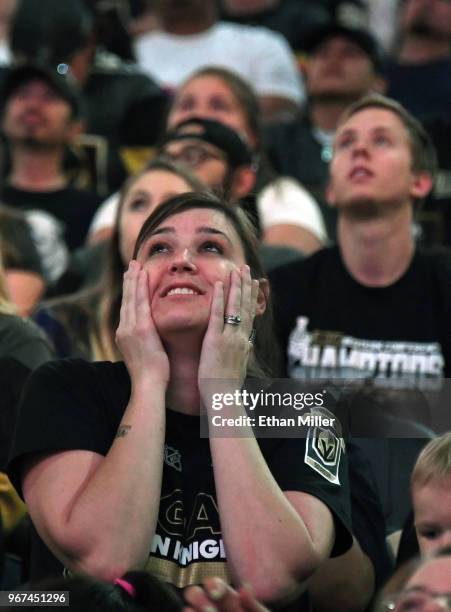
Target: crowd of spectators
199 197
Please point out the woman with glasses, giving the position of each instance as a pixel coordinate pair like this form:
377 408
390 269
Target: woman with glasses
288 215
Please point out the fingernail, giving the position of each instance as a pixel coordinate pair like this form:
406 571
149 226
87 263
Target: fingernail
210 609
217 592
248 587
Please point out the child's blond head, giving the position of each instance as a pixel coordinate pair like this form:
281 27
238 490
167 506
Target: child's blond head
434 461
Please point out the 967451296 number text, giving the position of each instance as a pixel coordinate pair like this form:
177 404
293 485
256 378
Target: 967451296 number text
34 598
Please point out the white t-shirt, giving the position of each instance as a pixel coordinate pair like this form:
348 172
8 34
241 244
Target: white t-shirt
282 201
105 215
260 56
286 201
5 53
48 235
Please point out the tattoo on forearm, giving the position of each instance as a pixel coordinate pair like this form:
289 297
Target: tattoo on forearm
123 431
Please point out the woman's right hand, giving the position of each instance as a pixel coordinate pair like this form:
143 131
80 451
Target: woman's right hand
137 337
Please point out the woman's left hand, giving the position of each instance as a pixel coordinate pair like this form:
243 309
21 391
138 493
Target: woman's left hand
218 596
226 347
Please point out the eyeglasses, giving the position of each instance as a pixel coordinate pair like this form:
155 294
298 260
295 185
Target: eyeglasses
194 156
415 600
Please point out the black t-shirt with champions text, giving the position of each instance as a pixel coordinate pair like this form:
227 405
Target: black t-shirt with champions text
331 326
73 404
398 337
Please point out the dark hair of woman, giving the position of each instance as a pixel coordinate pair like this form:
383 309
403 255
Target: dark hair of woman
134 592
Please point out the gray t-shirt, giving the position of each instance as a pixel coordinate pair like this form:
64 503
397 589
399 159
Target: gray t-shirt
22 339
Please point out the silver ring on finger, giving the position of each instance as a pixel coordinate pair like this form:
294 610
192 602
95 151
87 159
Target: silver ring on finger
232 319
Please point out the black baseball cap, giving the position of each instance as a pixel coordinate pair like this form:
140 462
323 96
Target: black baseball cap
215 133
50 31
361 37
59 78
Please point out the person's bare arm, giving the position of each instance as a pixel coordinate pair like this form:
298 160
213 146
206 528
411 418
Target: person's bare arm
98 514
274 540
25 289
276 108
104 233
293 236
344 583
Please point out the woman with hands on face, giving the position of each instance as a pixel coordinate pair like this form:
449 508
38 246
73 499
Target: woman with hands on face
84 323
121 478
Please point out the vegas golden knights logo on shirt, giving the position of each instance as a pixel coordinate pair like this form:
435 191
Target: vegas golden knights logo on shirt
324 447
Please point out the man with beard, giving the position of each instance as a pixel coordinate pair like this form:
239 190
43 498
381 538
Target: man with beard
420 75
343 65
374 306
122 106
191 37
41 118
